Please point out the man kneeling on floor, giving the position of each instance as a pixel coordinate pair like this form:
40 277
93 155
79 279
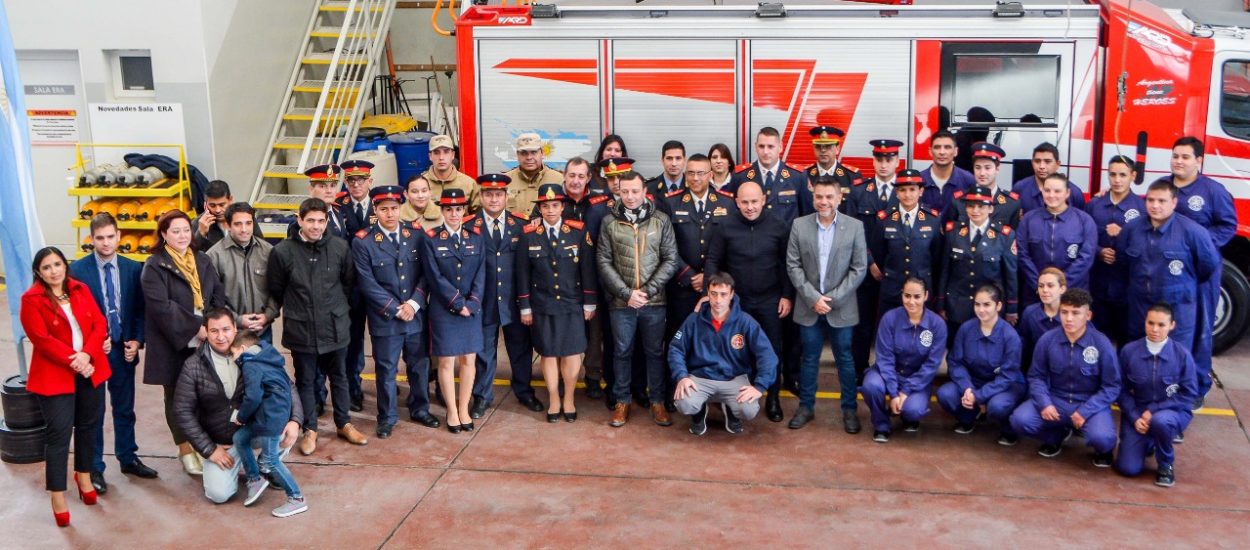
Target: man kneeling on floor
711 357
210 389
262 414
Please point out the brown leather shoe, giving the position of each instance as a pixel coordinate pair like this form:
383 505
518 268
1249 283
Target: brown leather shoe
620 415
352 436
308 442
660 415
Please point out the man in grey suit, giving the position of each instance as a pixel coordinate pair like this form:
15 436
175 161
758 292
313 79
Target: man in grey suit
826 259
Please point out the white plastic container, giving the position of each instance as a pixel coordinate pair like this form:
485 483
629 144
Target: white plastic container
385 169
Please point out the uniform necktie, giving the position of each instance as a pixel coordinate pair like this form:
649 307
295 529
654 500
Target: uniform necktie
551 234
360 214
976 237
885 193
110 295
698 208
907 220
496 232
455 239
768 180
394 238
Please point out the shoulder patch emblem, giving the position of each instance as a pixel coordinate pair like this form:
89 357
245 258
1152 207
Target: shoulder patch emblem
575 224
989 233
361 234
376 238
406 233
881 214
813 173
1002 199
963 231
430 232
1006 230
443 234
839 172
1014 195
785 173
950 226
530 229
958 195
895 216
751 174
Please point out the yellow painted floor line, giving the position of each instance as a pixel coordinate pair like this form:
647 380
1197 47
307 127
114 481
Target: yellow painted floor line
1208 411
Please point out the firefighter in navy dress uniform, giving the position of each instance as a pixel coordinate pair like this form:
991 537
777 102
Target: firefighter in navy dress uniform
826 144
456 273
977 252
985 165
557 291
355 205
391 282
905 242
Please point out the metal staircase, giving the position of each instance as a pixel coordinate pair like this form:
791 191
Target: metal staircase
325 99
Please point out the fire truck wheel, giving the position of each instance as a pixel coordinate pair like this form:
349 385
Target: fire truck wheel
1232 315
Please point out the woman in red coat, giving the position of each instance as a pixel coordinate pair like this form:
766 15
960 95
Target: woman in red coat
67 373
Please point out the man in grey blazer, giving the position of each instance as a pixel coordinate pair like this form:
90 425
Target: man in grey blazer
826 259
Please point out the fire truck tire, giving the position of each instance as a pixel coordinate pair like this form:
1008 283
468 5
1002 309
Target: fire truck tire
1232 316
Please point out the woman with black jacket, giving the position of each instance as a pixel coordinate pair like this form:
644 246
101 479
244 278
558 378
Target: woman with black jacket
179 284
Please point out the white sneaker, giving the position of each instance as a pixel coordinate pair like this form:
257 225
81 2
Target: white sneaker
291 507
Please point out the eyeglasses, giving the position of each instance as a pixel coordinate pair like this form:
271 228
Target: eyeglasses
356 181
698 174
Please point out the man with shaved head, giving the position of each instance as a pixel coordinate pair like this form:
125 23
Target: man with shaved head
751 246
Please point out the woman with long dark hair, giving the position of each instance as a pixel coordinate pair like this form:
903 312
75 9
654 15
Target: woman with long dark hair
722 165
67 372
612 147
179 284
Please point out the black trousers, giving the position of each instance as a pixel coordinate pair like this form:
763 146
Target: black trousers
331 365
76 414
765 313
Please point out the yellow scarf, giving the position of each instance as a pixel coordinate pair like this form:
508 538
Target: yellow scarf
186 264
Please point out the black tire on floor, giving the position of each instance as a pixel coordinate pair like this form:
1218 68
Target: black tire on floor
1233 313
21 446
21 408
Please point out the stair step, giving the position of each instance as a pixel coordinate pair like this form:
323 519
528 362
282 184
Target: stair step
298 143
333 32
314 86
285 171
274 201
324 58
306 113
341 6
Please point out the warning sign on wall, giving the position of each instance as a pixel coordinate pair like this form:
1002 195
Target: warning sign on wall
53 126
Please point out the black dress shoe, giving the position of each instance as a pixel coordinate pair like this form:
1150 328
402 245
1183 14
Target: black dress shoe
553 417
532 403
426 419
850 422
139 469
97 481
478 409
570 416
453 428
772 407
467 427
593 389
801 418
357 405
384 431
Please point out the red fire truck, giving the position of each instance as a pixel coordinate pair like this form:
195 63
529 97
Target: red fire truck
1115 77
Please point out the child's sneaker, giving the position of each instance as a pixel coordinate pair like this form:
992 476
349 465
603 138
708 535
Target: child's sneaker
255 488
294 505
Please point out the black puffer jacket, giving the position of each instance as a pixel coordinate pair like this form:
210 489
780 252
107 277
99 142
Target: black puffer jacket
311 281
202 409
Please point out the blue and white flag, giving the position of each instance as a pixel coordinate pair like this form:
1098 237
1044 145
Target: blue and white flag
19 228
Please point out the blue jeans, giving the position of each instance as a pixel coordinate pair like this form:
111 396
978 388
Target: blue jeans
646 325
813 341
270 458
121 390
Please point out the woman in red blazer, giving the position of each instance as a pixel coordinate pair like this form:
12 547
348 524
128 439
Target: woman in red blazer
67 373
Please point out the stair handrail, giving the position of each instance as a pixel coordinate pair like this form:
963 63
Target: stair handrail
331 71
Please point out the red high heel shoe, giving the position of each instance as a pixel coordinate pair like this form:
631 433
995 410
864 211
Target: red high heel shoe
88 498
62 518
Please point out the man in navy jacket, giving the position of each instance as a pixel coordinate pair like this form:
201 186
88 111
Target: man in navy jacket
712 357
122 306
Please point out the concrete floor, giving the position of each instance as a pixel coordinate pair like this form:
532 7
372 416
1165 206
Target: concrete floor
518 482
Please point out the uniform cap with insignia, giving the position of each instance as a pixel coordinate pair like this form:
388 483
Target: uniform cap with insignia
984 150
908 176
441 141
885 146
356 168
387 193
324 172
550 192
453 197
979 195
529 142
616 166
493 181
826 135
